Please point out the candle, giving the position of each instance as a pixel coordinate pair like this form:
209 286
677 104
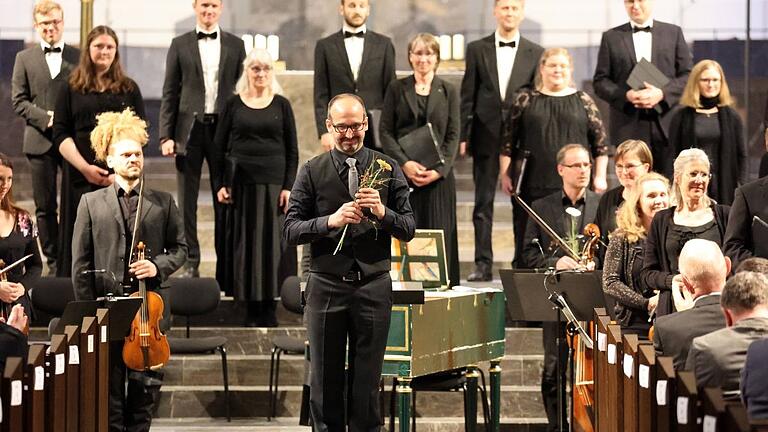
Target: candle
260 41
445 47
273 46
247 42
458 46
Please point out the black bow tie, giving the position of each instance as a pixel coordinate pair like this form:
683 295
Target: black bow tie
201 35
348 34
47 50
507 44
641 29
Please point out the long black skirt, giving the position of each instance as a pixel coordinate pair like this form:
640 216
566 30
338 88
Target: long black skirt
256 260
434 207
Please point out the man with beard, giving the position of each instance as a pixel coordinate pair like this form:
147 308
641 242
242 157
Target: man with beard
575 206
102 245
349 290
353 60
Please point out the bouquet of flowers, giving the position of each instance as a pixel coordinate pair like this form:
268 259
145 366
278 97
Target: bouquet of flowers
369 179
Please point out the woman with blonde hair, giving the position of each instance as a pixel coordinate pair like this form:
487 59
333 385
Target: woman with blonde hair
255 161
693 215
709 121
624 257
541 121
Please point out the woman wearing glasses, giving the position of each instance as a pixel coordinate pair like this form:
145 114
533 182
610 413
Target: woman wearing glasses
694 215
412 103
633 159
257 157
542 121
709 122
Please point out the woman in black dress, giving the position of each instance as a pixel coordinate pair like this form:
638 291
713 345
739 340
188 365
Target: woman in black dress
257 155
18 238
542 121
97 85
411 103
694 215
624 258
709 122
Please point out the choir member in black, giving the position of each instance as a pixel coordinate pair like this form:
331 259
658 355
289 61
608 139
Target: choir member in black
624 258
763 170
97 85
411 103
694 215
709 122
632 159
542 121
18 238
257 154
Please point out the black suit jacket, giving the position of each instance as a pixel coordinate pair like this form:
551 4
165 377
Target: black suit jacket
615 61
673 333
34 93
550 209
401 112
481 105
749 201
184 87
100 239
319 191
333 74
754 380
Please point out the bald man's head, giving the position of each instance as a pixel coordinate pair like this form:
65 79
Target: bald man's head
347 122
703 266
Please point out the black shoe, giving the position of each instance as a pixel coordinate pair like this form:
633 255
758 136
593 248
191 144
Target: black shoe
189 272
481 274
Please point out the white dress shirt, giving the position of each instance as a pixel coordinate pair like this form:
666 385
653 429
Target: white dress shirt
53 58
642 40
354 46
505 60
210 55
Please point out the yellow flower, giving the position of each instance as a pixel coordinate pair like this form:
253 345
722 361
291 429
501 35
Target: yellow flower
384 165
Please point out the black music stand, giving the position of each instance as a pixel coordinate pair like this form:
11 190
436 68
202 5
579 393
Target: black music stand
534 296
122 311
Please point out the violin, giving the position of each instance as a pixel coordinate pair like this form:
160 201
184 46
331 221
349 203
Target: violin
146 347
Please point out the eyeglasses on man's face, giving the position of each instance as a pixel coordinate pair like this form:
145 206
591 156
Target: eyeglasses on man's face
344 128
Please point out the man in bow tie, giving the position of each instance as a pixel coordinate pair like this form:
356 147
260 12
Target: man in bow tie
354 60
201 70
497 66
638 113
34 90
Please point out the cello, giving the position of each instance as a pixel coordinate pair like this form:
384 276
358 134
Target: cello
146 347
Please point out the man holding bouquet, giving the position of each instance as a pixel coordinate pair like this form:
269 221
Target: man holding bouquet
348 203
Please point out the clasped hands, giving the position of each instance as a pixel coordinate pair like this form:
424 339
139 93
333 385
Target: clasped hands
11 291
17 318
646 98
418 174
352 212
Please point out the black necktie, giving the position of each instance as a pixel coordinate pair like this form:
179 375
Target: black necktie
641 29
201 35
506 44
348 34
48 50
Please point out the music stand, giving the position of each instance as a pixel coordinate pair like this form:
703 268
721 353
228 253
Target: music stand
549 296
122 311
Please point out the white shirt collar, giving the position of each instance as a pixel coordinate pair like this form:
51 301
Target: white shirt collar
515 38
347 28
216 29
59 44
647 23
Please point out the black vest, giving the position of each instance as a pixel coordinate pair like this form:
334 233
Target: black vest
363 244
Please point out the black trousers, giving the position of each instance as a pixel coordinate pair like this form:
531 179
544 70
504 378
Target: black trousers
130 407
485 174
44 169
188 171
520 220
337 312
549 387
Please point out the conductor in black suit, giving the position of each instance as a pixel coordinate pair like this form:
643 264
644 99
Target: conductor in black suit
746 234
354 60
201 70
496 67
349 293
566 212
34 90
637 114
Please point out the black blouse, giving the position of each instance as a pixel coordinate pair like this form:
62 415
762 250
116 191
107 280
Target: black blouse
22 241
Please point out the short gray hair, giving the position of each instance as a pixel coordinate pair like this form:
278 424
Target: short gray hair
568 147
703 264
745 291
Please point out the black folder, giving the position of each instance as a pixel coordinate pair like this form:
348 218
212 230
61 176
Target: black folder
647 72
422 146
